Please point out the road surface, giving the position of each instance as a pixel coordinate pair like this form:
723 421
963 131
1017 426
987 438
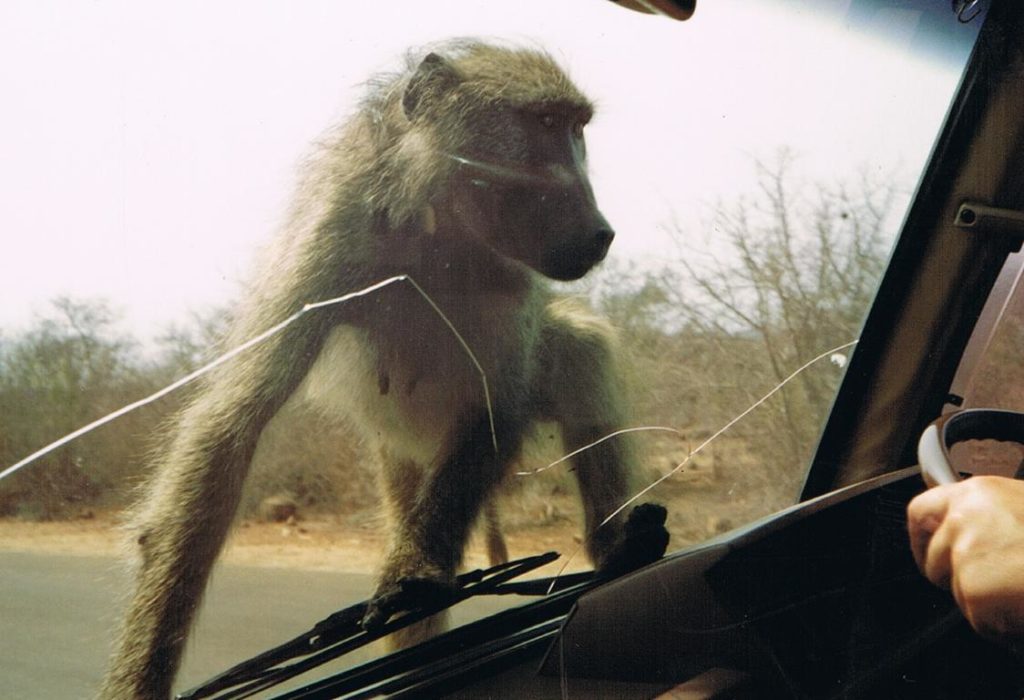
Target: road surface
58 613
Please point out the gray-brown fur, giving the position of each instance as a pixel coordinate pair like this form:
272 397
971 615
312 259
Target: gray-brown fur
494 537
385 196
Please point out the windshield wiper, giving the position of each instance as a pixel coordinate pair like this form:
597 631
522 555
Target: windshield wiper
342 632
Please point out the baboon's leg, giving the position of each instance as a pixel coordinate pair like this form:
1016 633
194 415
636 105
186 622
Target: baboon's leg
180 532
403 481
603 482
497 550
448 505
583 393
185 519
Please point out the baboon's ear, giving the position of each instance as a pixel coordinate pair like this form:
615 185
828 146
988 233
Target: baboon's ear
432 78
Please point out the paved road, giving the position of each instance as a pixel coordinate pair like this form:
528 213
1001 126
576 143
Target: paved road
57 614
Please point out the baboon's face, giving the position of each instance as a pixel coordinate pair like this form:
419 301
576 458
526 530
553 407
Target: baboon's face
520 181
522 185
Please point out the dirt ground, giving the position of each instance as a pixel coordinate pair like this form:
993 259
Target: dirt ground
714 494
320 544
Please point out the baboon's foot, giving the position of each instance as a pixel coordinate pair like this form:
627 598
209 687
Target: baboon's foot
642 540
407 593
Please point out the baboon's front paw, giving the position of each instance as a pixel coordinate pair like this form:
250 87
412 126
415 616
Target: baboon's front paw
406 594
643 540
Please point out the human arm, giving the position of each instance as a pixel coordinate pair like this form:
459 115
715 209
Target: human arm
969 537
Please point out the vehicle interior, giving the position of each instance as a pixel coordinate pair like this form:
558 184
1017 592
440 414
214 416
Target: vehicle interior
827 259
820 599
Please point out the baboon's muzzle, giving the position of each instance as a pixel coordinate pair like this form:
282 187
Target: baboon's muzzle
545 217
576 258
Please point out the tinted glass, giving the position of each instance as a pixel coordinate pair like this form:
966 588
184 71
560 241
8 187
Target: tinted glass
755 163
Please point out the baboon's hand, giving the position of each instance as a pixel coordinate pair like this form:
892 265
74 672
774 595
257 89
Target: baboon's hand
643 539
405 594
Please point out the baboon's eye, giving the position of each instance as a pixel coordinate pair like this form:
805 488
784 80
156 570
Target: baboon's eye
577 129
547 120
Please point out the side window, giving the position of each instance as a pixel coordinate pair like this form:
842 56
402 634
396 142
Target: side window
991 374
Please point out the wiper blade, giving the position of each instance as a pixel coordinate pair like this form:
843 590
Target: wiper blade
341 632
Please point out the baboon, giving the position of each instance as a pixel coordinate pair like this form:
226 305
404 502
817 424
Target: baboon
467 172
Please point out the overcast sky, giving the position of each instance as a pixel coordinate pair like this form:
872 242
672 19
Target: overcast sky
147 150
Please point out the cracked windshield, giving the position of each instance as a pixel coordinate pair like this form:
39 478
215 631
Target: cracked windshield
380 292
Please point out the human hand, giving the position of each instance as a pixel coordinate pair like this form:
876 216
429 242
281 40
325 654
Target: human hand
969 537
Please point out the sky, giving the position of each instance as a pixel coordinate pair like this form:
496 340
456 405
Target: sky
147 152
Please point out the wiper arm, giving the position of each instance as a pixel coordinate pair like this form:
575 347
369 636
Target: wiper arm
341 632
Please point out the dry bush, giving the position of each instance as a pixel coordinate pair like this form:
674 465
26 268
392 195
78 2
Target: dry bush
707 335
316 461
702 339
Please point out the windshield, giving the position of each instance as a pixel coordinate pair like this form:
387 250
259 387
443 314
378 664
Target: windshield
755 163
